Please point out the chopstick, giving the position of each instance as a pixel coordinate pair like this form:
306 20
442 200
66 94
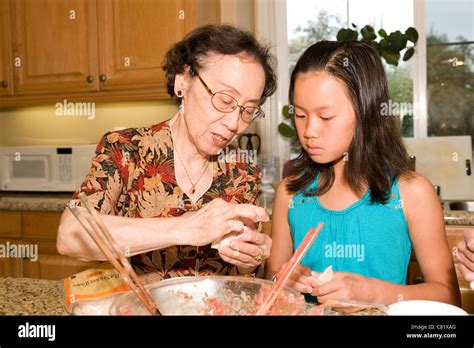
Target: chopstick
90 221
286 273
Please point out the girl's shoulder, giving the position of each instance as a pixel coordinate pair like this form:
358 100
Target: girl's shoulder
417 193
282 188
282 196
415 184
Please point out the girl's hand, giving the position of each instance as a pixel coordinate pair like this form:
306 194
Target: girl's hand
300 279
465 257
345 287
216 219
248 250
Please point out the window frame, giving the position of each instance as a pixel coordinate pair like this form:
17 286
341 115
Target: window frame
420 101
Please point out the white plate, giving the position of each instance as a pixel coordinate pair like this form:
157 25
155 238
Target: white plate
424 308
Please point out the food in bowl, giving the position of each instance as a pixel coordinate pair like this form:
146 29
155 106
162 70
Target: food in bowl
213 295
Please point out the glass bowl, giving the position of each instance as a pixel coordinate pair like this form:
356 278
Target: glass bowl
213 295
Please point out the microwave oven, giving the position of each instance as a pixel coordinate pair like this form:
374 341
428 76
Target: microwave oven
44 168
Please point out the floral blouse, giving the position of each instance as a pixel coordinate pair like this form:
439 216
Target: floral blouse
132 175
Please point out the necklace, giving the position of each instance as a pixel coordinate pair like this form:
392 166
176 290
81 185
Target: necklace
193 184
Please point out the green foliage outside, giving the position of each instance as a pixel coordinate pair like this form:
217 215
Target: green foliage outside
449 75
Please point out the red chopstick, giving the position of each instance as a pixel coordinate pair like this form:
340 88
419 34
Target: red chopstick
286 273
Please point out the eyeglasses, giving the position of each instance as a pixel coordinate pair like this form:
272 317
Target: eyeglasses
224 102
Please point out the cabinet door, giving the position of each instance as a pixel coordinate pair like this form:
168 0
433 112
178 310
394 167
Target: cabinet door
455 234
40 225
9 266
6 81
10 224
134 36
54 267
48 264
54 46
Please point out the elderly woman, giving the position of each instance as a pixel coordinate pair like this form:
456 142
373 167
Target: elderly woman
161 190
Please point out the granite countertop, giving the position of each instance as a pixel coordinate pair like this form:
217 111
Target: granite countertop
31 296
459 217
27 296
55 202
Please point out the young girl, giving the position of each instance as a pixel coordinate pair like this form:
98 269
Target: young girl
353 174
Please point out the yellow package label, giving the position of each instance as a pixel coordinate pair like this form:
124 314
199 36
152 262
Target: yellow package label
95 283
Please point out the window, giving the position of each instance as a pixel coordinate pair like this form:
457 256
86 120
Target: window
450 75
310 21
449 50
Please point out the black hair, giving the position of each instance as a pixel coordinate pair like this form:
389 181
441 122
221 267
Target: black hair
220 39
377 155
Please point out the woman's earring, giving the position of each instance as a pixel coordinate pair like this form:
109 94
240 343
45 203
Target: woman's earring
180 94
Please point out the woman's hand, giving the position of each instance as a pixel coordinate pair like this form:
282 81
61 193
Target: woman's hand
300 279
345 287
248 250
215 220
465 257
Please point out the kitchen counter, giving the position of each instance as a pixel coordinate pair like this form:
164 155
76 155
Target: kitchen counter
27 296
30 296
458 217
55 202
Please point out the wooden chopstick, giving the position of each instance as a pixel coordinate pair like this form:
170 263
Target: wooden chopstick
94 226
127 273
286 273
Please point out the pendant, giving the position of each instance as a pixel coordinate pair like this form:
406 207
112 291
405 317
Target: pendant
193 189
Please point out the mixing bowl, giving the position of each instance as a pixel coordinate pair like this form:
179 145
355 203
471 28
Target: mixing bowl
213 295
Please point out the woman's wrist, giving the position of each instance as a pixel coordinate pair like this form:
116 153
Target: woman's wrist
246 271
174 232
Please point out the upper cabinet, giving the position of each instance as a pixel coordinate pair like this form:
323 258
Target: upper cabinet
91 50
5 54
54 46
134 35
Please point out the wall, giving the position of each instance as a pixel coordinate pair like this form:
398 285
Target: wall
41 126
238 12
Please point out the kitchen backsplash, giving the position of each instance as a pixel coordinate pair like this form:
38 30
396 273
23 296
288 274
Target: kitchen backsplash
54 124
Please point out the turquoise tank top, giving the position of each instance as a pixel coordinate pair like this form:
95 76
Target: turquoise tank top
366 238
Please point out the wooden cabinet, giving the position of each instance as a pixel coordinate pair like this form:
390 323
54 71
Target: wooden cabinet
40 225
5 50
91 50
9 267
134 36
54 46
10 226
455 234
36 232
53 266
